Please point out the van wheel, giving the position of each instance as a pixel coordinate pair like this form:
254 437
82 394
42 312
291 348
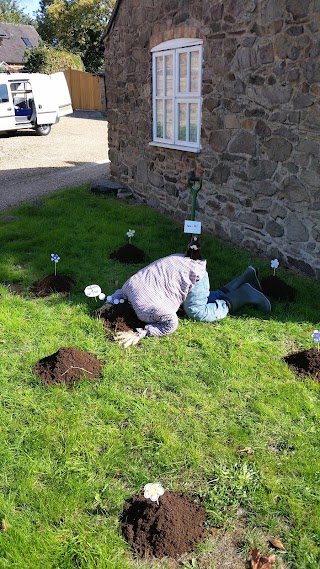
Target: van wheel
43 129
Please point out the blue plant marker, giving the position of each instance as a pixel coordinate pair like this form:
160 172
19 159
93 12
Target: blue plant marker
316 337
274 265
55 258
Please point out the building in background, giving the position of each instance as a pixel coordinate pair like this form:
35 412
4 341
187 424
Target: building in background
14 40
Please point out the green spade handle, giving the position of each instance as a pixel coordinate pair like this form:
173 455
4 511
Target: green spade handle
192 180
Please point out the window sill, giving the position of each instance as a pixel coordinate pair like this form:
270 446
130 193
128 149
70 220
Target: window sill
176 147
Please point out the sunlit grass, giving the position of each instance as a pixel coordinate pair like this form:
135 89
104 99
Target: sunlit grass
212 410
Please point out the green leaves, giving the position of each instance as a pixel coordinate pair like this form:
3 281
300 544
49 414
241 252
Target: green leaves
11 13
47 59
76 26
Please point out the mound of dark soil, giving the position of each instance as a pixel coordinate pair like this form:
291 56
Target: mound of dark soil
276 288
129 254
121 318
305 362
52 283
171 528
68 366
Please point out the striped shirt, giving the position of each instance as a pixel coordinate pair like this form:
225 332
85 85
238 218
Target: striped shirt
157 291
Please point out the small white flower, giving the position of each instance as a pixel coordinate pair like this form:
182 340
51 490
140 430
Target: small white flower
131 233
274 264
153 491
102 296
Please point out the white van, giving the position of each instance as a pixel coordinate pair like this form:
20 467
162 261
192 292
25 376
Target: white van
33 100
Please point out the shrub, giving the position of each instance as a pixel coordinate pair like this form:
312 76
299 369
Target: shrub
45 59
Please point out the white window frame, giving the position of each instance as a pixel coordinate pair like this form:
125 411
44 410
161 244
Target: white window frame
175 48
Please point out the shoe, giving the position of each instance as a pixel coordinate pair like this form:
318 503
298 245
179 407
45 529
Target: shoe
250 276
247 294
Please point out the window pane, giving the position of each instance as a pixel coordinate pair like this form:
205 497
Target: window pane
27 42
169 75
160 119
4 97
183 69
194 64
177 94
193 125
159 75
182 121
169 120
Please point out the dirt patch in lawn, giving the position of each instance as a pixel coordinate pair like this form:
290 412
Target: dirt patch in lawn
128 254
227 550
15 288
305 362
279 290
121 318
67 365
169 529
51 284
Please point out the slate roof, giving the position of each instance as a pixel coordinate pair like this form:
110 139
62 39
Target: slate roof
12 46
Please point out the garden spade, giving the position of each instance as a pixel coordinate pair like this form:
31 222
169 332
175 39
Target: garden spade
195 185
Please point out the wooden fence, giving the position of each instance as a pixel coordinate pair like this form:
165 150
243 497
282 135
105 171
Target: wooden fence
86 90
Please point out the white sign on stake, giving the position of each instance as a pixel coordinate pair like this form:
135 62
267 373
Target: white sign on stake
192 226
92 290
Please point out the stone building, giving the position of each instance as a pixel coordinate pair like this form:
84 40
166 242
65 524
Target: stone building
230 90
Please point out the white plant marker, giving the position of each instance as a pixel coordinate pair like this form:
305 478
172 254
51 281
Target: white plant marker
130 234
153 491
92 291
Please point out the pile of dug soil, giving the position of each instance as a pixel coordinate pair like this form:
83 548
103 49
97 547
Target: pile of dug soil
121 318
171 528
305 362
129 254
276 288
67 365
52 283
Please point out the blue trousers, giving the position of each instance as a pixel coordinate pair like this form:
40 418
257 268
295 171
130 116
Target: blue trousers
203 305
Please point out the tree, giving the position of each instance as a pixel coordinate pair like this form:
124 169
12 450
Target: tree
77 26
47 59
11 13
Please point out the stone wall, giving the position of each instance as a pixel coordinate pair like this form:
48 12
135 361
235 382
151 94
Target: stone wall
260 136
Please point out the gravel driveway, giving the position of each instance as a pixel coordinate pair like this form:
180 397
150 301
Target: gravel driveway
75 152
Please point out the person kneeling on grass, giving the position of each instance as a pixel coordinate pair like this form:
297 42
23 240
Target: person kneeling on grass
157 291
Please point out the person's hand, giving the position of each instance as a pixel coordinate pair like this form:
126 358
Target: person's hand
103 310
126 339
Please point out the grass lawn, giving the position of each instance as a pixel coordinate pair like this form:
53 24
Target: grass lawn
211 411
